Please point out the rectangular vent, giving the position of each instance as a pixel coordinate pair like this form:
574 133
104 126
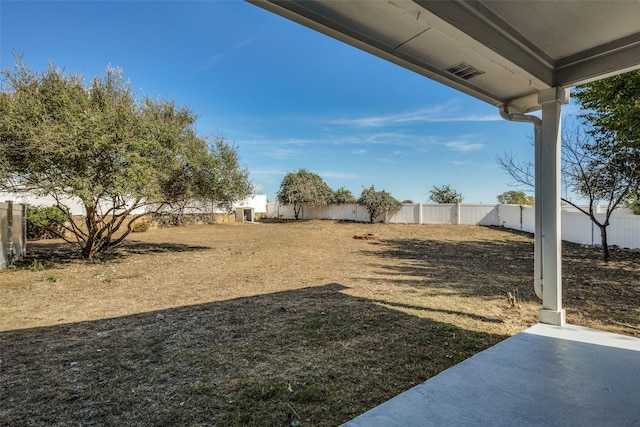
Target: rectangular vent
464 71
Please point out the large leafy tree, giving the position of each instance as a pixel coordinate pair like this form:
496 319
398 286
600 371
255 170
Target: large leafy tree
97 143
612 112
611 115
444 194
378 203
304 187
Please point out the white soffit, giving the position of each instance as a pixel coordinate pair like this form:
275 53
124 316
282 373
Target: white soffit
502 52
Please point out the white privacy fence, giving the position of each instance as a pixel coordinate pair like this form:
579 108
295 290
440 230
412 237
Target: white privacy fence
623 231
346 212
13 232
257 202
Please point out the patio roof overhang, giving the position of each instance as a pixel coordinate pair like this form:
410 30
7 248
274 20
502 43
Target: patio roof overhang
519 56
502 52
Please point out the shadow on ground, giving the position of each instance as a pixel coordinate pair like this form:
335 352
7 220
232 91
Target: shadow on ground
52 253
596 294
472 268
315 353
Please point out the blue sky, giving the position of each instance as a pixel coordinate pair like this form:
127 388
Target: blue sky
288 97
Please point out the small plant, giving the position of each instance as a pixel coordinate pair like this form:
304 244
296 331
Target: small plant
235 251
36 265
512 299
52 278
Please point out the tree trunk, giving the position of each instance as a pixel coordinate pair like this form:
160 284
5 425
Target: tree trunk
87 250
605 245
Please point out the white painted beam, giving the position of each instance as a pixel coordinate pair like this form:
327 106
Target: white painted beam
603 61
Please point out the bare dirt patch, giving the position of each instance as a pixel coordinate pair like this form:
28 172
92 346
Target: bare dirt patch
259 324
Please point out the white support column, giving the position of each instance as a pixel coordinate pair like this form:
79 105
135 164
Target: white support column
537 246
548 229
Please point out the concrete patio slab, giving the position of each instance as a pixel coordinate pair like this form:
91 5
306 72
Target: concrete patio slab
545 376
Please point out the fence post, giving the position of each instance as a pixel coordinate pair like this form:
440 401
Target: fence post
11 252
420 213
458 214
24 230
521 219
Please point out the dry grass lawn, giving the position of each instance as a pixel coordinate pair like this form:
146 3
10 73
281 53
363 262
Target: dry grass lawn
268 324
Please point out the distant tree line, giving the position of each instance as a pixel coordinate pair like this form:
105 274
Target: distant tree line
308 188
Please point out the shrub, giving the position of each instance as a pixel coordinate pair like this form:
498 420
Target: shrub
141 225
378 203
44 222
445 194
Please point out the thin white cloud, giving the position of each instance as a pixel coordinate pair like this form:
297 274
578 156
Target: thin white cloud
339 175
386 137
398 139
262 176
385 160
281 153
275 175
216 58
269 144
358 152
448 112
242 43
464 146
211 61
299 141
268 172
